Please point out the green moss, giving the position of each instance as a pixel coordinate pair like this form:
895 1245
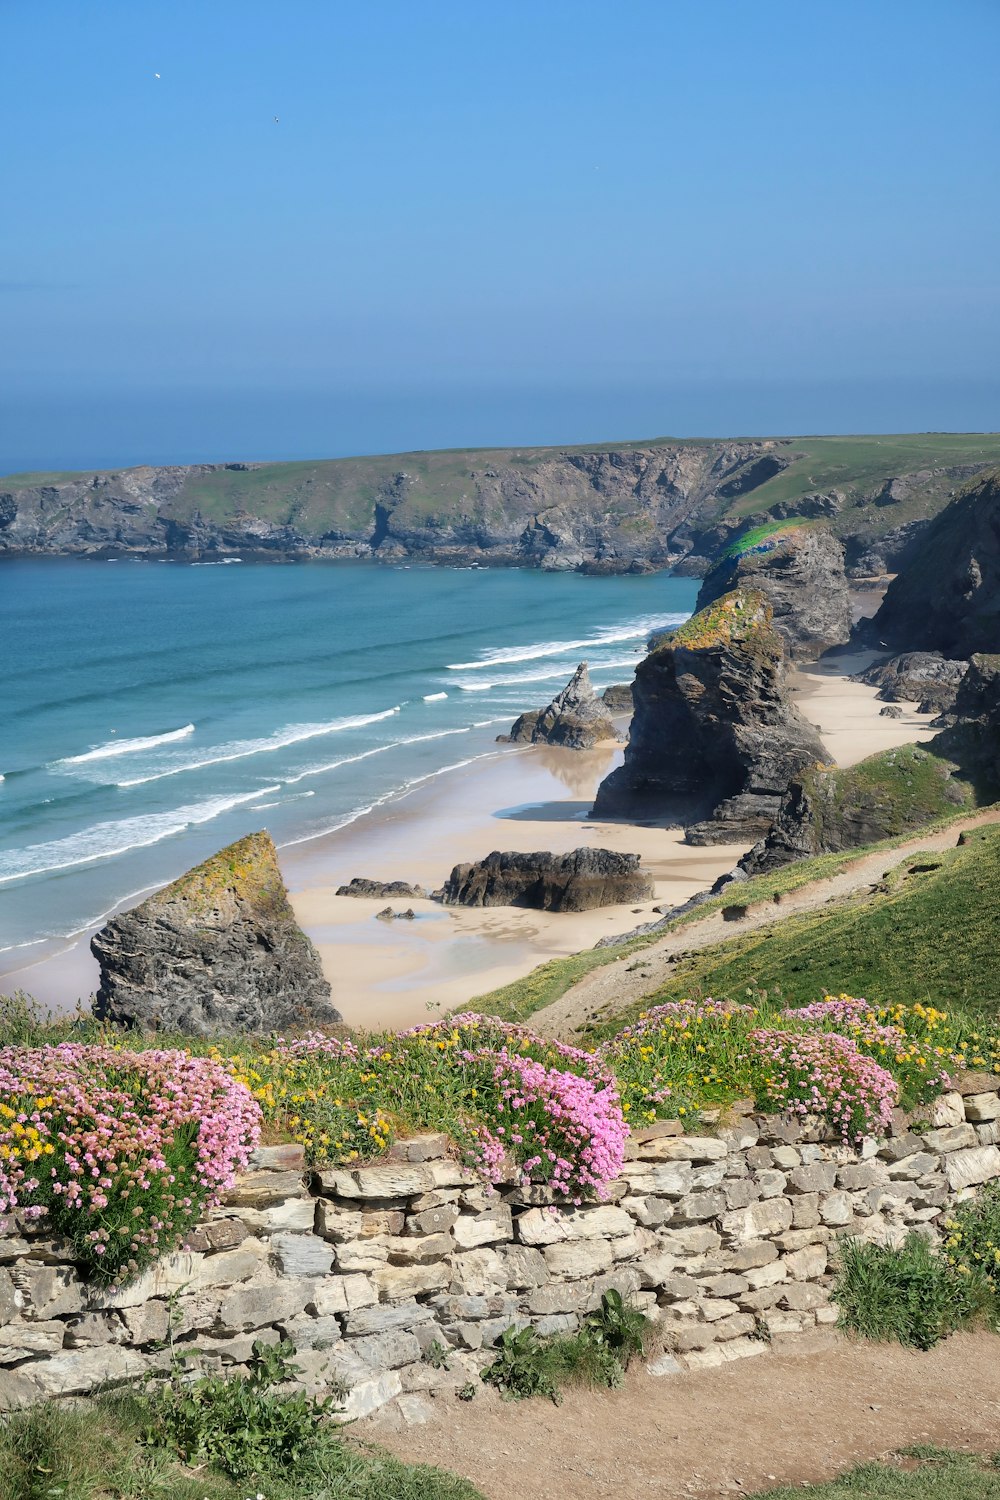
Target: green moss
733 619
897 790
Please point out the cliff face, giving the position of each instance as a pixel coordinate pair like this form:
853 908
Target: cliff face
601 510
802 573
610 509
715 739
974 740
218 951
947 598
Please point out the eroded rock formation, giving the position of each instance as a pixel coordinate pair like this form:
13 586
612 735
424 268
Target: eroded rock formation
217 952
947 597
715 739
578 881
924 677
802 573
617 698
974 739
380 889
576 718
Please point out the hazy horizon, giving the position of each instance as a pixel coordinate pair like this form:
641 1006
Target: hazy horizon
249 231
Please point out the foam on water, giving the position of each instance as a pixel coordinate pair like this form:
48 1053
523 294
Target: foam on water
105 840
610 635
127 747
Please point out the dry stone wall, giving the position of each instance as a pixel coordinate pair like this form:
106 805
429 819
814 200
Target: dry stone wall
724 1239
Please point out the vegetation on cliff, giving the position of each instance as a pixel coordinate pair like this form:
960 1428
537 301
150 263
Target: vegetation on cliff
926 933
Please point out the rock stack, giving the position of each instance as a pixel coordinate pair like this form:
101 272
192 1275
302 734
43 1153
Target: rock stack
217 952
576 718
715 738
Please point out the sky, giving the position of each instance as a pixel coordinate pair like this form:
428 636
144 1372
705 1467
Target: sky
304 228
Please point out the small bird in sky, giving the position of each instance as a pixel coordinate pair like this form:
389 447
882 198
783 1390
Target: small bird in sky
276 119
156 75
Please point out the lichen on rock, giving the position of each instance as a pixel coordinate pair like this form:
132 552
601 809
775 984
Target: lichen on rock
217 952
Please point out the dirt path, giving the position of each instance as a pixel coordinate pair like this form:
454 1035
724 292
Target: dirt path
784 1418
616 986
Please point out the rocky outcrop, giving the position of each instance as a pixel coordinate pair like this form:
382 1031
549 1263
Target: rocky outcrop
802 573
974 738
379 890
617 698
578 881
947 598
715 738
217 952
627 509
829 810
576 718
924 677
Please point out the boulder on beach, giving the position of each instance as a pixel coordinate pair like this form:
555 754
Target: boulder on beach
576 718
578 881
380 890
217 952
716 739
924 677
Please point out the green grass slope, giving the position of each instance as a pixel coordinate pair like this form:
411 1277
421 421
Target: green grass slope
929 932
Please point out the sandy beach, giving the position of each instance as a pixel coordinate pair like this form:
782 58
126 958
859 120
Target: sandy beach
396 973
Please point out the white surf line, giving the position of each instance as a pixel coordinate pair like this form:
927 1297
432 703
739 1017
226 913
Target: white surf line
126 747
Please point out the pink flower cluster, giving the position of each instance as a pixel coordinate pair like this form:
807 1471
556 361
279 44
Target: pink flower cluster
825 1074
563 1130
122 1150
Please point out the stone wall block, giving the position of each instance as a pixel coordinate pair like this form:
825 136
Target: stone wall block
261 1189
575 1259
648 1211
950 1137
808 1263
486 1228
362 1255
971 1167
263 1304
397 1283
419 1250
821 1177
770 1216
478 1271
525 1266
290 1157
740 1192
982 1107
302 1254
432 1220
693 1148
698 1207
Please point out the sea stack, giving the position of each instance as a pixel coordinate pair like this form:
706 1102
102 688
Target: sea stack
801 571
578 881
715 739
576 718
217 952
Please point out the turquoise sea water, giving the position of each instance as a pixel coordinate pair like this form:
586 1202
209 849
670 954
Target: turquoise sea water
150 713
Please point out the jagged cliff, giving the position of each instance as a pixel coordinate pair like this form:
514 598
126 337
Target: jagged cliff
218 951
611 508
947 597
801 570
715 738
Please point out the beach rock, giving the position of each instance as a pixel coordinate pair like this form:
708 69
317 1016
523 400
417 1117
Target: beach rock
578 881
891 711
618 698
217 952
829 810
576 718
973 740
947 597
390 914
380 890
924 677
801 571
715 739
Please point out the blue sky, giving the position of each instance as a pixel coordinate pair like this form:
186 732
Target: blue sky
487 221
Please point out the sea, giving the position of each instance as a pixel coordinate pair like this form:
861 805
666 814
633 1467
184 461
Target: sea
153 712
